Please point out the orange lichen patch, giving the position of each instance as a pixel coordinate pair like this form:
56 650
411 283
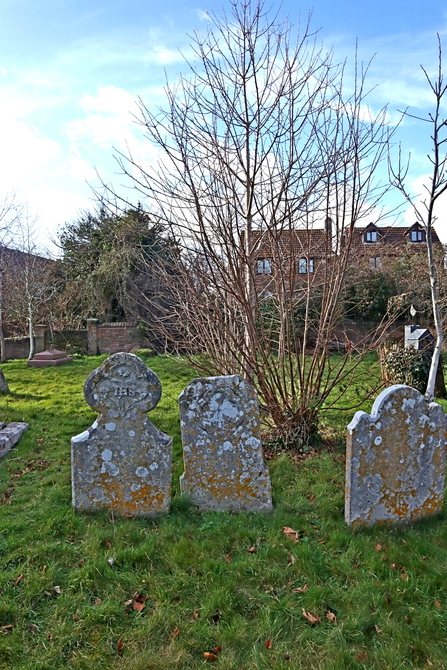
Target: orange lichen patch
116 497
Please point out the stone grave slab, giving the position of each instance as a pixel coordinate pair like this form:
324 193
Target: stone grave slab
395 459
122 462
49 358
222 449
10 434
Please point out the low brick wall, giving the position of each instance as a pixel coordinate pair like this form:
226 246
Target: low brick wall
110 338
98 338
17 347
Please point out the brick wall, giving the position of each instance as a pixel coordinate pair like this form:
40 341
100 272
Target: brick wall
105 338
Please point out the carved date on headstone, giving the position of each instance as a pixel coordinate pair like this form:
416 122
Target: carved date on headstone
122 462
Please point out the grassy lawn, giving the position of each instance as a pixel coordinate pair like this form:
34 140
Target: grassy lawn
186 584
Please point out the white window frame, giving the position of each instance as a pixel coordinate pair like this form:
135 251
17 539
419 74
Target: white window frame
371 236
305 266
417 235
264 266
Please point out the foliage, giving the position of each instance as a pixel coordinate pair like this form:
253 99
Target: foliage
202 586
103 257
407 366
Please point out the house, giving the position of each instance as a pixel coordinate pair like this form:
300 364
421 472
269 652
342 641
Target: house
296 255
377 243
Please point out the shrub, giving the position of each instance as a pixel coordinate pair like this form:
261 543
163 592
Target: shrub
407 366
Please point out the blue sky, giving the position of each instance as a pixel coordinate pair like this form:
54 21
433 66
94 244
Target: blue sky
70 73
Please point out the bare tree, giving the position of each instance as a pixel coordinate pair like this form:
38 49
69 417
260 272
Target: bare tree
424 210
10 211
267 163
30 283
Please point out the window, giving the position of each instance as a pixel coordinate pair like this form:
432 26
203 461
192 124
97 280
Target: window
417 236
375 262
371 236
264 266
305 266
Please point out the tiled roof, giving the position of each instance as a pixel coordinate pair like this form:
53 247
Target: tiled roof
306 242
394 236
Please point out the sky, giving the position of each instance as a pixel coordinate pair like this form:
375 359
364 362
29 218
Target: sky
71 72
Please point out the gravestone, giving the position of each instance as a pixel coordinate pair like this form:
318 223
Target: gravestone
395 459
122 462
222 448
3 384
10 434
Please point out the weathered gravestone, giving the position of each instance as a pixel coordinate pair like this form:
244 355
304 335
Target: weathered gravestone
395 459
222 447
122 461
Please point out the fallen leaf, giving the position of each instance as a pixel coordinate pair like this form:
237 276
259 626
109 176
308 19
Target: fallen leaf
208 656
228 558
321 541
97 601
217 649
290 533
49 636
331 617
139 607
313 619
128 603
8 626
301 589
76 618
268 644
378 547
253 550
19 579
140 598
196 614
311 498
404 577
407 619
378 629
34 628
394 566
44 569
438 604
81 563
58 590
119 646
292 561
174 633
363 656
108 545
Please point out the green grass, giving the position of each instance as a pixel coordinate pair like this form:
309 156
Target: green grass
203 588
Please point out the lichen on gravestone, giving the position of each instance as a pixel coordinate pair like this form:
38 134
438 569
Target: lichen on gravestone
395 459
122 462
222 449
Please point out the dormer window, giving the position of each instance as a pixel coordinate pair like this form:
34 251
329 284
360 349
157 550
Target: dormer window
417 236
371 236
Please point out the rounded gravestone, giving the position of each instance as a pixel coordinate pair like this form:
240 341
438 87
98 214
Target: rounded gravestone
122 461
